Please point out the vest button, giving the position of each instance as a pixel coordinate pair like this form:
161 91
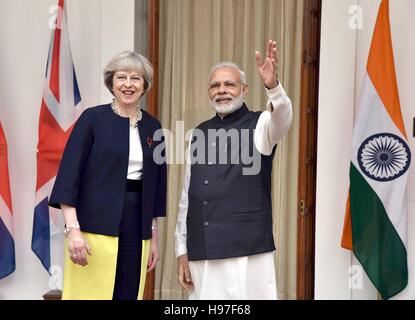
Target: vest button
205 203
206 182
206 223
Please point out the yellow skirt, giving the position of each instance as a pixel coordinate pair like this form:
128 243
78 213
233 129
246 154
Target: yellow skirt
96 280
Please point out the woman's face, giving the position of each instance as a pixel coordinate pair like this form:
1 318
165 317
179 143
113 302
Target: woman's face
128 87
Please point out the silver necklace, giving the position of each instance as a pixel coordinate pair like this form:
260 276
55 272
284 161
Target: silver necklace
139 114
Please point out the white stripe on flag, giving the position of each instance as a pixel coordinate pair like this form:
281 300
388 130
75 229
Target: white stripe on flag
393 193
65 112
56 225
44 191
56 221
6 215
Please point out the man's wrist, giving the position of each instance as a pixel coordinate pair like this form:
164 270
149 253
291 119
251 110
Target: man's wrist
272 86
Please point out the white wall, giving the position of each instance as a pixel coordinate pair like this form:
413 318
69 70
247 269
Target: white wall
344 55
337 61
98 29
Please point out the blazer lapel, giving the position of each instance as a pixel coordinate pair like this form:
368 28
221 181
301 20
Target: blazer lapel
146 138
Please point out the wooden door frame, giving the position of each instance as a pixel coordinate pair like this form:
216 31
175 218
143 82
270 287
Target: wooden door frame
153 53
307 166
152 99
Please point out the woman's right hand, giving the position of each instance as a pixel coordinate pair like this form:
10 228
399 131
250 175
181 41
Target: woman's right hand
78 247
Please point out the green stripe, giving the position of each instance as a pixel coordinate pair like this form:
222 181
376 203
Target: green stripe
376 243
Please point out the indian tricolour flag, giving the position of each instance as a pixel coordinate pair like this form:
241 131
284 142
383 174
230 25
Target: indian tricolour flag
376 215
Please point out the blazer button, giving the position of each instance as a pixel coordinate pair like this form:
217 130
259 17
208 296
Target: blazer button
206 223
205 203
206 182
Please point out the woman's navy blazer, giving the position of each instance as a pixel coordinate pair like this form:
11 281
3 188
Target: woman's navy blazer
93 171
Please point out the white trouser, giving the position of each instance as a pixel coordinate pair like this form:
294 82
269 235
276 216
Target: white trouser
243 278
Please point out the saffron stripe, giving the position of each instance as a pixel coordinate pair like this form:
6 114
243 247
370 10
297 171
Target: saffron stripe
381 67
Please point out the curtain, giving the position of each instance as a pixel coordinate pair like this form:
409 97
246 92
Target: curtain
195 35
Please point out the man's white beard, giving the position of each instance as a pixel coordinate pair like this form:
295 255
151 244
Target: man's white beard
229 108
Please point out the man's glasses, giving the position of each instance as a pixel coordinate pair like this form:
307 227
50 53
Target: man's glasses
229 85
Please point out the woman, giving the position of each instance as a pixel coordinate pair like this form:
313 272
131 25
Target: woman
111 190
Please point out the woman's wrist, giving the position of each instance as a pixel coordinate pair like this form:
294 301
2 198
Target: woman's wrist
74 233
69 228
154 226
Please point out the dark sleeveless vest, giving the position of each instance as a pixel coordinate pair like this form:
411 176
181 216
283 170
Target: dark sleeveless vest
229 212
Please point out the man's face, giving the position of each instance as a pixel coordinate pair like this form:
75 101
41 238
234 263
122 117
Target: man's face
226 93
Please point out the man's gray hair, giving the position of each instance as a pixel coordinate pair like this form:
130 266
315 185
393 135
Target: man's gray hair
129 61
227 64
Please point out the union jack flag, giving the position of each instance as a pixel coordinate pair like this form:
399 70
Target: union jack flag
7 258
61 107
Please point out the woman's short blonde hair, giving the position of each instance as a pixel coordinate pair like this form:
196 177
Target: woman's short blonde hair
129 61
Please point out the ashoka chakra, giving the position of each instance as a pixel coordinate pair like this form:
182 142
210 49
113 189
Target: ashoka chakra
384 157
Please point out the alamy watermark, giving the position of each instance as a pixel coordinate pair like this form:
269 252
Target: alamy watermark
55 21
56 277
217 146
356 18
356 277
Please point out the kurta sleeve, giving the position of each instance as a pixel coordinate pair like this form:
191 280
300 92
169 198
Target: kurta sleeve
273 124
161 187
181 227
66 187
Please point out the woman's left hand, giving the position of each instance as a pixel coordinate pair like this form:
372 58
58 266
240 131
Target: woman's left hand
154 252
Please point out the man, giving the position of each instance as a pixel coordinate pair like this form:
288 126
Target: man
224 240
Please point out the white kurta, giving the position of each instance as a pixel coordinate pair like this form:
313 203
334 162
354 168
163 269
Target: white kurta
251 277
243 278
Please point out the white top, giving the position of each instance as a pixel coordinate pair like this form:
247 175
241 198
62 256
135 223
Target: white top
273 124
135 162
